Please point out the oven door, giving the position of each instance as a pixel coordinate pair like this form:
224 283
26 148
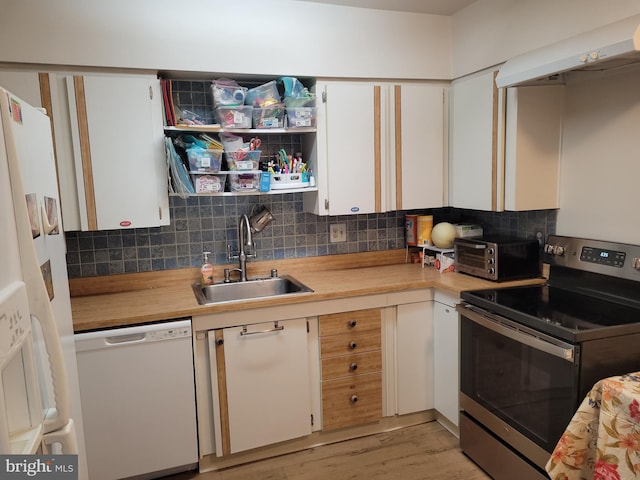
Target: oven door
471 258
518 383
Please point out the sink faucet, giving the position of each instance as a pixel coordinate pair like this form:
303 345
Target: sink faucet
245 245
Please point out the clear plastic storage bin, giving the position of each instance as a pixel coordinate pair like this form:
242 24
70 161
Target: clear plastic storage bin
263 95
209 183
243 160
301 117
244 182
234 117
227 95
201 160
269 117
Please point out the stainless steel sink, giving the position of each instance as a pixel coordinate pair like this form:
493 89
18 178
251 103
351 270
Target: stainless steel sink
255 288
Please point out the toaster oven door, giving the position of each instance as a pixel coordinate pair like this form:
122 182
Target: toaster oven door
473 258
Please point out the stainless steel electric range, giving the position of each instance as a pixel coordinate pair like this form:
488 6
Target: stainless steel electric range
530 354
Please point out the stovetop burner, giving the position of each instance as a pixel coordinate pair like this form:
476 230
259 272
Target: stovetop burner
593 292
561 313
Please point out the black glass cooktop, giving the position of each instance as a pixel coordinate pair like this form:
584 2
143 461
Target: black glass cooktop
559 312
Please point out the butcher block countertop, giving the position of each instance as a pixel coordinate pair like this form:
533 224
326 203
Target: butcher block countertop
130 299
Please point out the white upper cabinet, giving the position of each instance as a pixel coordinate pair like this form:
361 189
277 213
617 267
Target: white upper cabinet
379 147
117 152
504 145
473 142
533 131
420 159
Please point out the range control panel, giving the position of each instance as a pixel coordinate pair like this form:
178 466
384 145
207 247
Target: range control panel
603 256
608 258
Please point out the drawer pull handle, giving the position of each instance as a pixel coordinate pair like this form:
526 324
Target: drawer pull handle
354 398
353 367
352 345
352 323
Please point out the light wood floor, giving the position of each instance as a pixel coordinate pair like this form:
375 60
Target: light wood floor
422 452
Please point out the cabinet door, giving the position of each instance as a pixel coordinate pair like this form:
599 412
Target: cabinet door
419 146
346 142
267 383
414 357
473 143
380 147
532 147
446 361
118 149
25 84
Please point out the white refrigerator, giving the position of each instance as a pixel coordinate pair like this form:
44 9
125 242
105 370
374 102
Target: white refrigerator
40 411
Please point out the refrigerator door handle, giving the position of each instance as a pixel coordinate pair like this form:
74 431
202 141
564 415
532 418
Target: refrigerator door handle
46 226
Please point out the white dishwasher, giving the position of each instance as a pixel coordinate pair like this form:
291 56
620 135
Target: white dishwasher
138 400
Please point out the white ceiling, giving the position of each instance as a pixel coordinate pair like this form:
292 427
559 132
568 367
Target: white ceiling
434 7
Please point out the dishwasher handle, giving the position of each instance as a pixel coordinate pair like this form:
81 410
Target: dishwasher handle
131 338
276 328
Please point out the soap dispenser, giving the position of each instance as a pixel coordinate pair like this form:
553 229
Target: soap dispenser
206 271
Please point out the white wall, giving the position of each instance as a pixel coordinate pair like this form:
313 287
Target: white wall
489 32
278 37
600 165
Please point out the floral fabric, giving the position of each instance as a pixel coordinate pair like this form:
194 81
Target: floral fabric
602 441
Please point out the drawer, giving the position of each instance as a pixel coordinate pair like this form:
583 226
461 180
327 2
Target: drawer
355 342
350 365
350 322
351 401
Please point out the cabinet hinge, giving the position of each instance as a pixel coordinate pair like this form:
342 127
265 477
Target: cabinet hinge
150 92
307 326
324 97
326 204
312 419
160 212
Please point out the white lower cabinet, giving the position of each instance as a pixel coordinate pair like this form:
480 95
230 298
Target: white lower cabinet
414 357
446 353
260 379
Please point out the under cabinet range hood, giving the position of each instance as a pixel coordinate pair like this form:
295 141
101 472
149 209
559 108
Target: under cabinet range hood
611 46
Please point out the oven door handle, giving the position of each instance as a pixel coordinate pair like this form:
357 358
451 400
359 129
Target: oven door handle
519 333
476 246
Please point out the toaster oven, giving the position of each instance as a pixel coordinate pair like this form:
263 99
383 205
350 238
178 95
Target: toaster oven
497 259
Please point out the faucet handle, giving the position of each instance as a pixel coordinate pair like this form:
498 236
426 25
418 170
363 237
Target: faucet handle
229 255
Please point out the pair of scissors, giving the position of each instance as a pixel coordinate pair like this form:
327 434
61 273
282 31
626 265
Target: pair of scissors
255 143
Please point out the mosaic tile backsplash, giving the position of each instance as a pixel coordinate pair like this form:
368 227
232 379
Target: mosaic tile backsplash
209 223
